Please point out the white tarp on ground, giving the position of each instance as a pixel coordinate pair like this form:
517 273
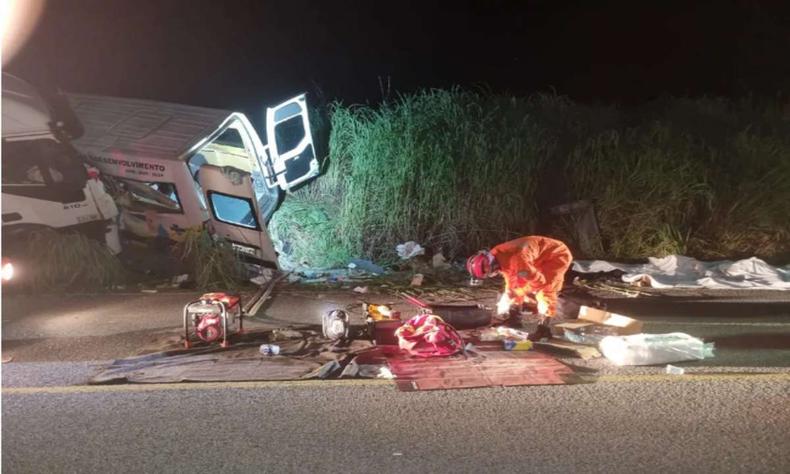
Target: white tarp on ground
677 271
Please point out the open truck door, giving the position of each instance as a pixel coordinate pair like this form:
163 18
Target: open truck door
292 159
234 212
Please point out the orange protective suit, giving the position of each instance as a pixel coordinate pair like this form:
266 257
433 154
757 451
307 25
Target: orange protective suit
533 265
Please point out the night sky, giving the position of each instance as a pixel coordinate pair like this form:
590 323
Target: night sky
245 54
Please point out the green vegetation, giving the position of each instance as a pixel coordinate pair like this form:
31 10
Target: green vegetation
53 261
211 261
456 171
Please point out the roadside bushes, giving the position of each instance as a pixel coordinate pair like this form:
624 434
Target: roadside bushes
706 178
211 262
457 171
750 214
451 169
55 261
646 186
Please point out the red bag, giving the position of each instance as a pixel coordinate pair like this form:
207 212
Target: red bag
427 335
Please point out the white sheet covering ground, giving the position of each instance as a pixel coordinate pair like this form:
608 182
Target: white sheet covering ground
677 271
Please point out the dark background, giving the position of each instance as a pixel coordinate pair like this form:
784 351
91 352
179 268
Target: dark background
246 54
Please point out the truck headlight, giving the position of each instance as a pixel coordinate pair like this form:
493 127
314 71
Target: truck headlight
7 272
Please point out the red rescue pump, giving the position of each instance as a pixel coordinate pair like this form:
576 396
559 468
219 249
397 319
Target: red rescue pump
212 317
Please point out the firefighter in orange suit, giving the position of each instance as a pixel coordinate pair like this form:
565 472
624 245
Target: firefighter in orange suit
534 270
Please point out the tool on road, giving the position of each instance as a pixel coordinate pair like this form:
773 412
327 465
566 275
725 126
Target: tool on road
459 316
212 317
379 312
334 325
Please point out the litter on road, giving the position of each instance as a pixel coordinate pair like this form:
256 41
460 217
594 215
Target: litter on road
409 250
672 370
654 349
677 271
594 324
439 346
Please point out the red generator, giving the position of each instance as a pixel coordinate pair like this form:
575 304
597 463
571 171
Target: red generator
213 317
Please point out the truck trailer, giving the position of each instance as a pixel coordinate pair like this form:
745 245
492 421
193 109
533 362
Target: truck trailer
174 167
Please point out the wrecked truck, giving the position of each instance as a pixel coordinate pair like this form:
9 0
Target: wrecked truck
175 167
46 184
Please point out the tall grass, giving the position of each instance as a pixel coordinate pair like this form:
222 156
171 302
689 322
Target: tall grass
55 261
751 212
457 171
212 261
647 189
450 169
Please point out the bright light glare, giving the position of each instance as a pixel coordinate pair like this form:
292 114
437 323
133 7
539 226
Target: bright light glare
503 306
7 272
543 305
18 18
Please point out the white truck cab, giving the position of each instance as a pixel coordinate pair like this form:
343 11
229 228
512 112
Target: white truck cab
45 183
176 167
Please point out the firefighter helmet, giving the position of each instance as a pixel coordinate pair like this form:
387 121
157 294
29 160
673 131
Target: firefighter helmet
480 265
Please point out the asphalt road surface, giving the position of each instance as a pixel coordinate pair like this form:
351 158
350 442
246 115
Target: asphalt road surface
727 414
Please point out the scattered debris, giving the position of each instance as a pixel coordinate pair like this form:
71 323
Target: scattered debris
470 348
567 349
438 261
383 331
409 250
379 312
179 279
385 373
260 280
147 290
417 279
595 324
674 271
293 278
366 266
270 349
653 349
502 333
511 345
620 290
361 289
672 370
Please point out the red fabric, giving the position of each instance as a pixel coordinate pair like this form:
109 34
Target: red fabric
427 335
533 265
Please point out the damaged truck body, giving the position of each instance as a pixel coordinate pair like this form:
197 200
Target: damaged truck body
173 167
46 185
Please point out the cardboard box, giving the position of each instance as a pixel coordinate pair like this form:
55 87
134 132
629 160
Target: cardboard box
606 322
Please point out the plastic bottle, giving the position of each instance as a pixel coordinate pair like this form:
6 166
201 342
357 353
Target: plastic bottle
270 349
672 370
653 349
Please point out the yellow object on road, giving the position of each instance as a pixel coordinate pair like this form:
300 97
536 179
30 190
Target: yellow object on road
510 345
